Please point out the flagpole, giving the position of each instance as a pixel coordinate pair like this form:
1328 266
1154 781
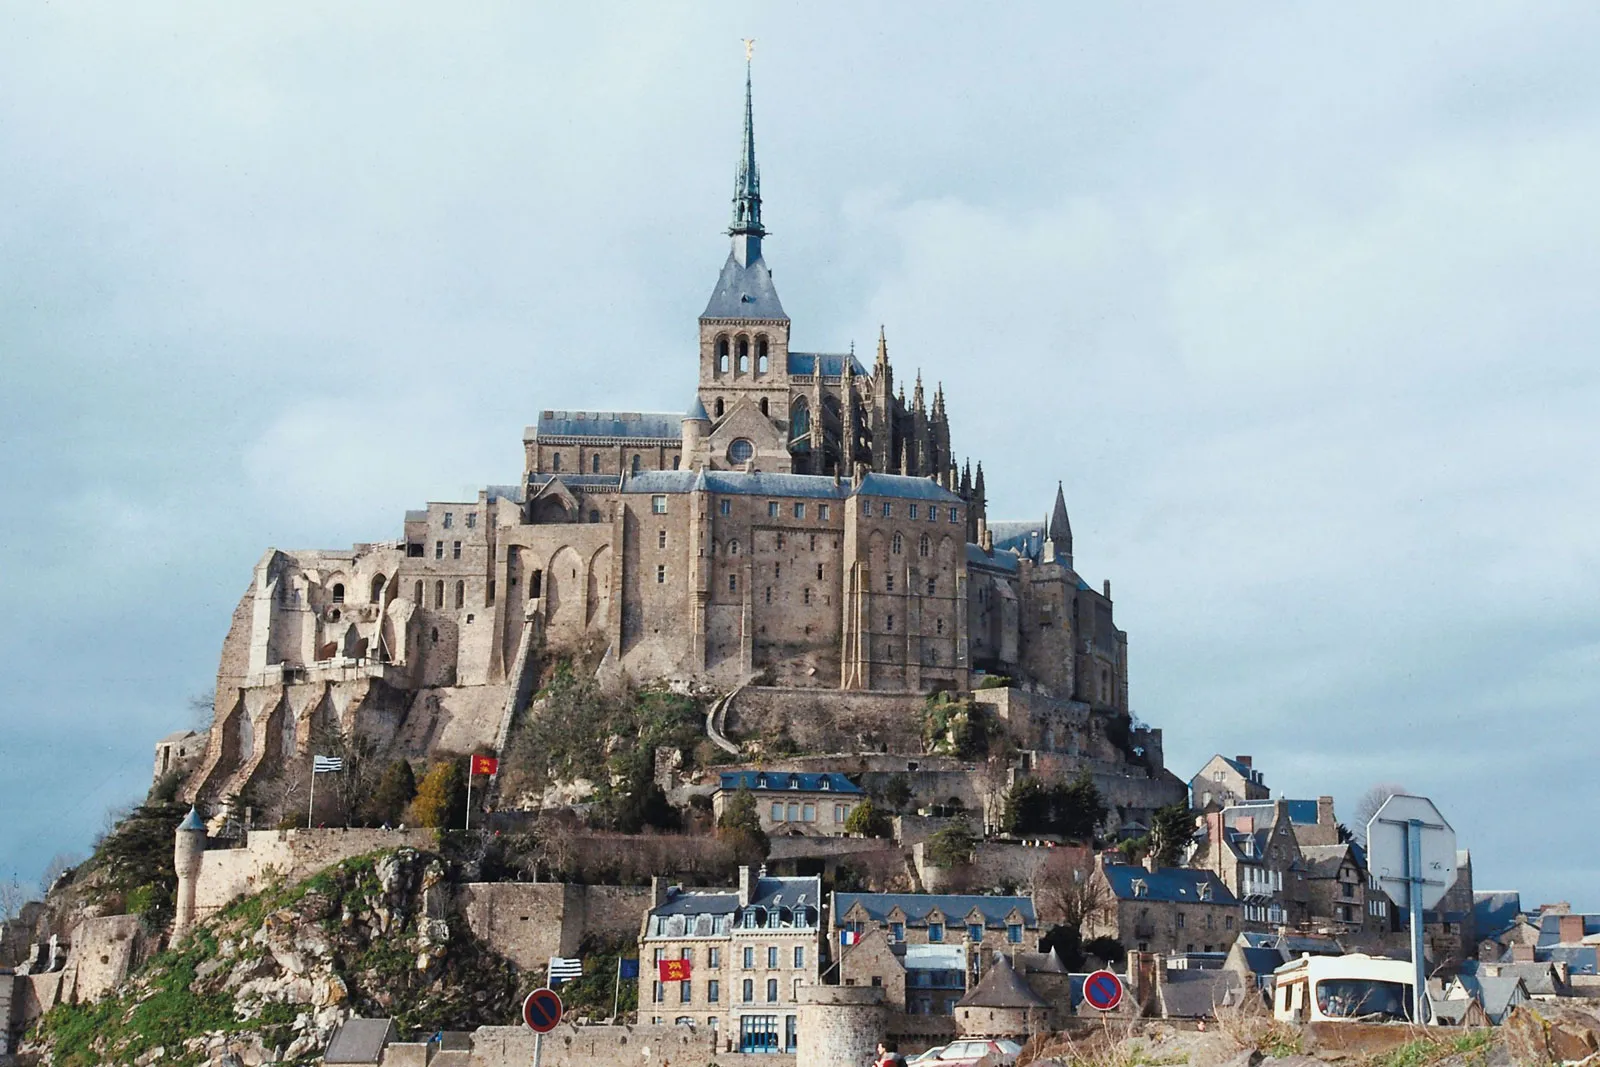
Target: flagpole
469 793
616 990
311 803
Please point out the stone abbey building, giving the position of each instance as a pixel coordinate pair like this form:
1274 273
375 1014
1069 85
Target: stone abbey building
802 522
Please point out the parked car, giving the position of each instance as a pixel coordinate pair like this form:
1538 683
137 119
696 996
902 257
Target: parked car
968 1054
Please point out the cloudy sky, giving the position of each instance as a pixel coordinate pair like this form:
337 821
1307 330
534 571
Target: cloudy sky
1299 303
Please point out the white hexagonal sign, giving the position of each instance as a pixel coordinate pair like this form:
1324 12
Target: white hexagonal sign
1389 849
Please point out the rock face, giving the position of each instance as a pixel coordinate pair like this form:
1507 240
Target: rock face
270 977
1551 1032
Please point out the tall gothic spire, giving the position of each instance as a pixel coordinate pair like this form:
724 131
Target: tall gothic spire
746 228
1060 528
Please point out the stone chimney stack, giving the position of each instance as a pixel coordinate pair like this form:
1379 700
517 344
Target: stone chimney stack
1325 812
747 886
1243 760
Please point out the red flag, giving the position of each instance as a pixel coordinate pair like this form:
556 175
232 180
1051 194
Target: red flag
485 765
674 970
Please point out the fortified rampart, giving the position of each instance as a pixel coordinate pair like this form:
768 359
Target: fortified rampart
528 922
290 856
588 1046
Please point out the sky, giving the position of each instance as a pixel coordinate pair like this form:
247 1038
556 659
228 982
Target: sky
1297 301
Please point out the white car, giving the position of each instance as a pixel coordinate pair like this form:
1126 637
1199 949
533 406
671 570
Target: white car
968 1054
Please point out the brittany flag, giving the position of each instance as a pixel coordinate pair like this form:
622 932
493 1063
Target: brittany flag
485 765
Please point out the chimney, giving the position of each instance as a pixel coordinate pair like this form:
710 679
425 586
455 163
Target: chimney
1245 760
747 886
1571 929
658 890
1325 812
1150 860
1108 588
1280 810
1521 953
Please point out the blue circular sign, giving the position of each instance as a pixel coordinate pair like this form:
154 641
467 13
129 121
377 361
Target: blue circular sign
1102 991
542 1010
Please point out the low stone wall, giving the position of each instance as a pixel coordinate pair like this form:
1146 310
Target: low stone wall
104 950
587 1046
292 855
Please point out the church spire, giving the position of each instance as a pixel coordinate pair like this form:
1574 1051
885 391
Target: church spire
1060 532
746 228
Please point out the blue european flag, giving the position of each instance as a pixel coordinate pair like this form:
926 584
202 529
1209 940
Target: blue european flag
630 968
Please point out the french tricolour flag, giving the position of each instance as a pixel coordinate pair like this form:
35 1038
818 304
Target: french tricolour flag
848 937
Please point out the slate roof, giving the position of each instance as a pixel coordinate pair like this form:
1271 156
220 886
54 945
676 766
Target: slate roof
1001 987
192 821
1000 561
737 483
768 892
1580 959
504 492
1198 994
1324 861
697 410
1302 812
577 481
905 486
954 906
1550 928
1177 884
1497 995
181 735
641 425
785 781
832 365
744 292
360 1041
1495 911
1038 963
1449 1012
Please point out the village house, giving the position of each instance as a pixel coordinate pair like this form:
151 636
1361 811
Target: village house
1169 910
1253 850
1223 782
746 952
793 802
1338 896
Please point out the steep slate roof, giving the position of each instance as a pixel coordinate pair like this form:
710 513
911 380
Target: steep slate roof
1002 987
1497 995
906 486
736 483
1550 928
1247 772
1198 994
360 1041
1177 884
1324 861
1495 911
1000 561
954 906
767 893
641 425
744 292
785 781
1303 812
832 365
504 492
192 821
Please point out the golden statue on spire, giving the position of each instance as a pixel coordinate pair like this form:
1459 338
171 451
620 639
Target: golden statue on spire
749 47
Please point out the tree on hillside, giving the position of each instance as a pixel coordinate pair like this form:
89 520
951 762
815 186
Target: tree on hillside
1072 810
950 847
441 798
396 788
865 819
356 781
1171 830
740 826
1368 806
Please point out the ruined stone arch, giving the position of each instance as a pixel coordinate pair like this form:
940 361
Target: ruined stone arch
378 581
599 598
564 590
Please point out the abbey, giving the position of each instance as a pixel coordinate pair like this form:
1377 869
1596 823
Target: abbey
803 522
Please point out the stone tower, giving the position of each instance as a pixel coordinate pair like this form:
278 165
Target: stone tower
187 852
840 1026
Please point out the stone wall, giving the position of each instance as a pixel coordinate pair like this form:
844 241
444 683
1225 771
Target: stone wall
589 1046
528 922
104 950
820 720
291 855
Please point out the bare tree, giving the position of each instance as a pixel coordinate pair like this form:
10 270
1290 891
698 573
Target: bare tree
1066 890
12 898
201 711
1368 806
61 863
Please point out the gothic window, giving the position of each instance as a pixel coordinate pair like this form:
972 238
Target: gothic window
416 595
740 450
594 516
899 543
438 594
338 592
799 420
718 407
733 548
819 572
922 546
594 463
744 355
761 354
555 462
764 406
633 467
722 355
377 589
676 460
461 595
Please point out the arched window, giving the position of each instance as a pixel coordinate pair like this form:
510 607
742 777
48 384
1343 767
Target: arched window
633 468
898 544
718 407
461 595
676 460
744 355
438 594
594 463
416 595
377 589
922 545
435 635
740 450
722 355
555 462
764 410
594 516
536 586
761 354
338 592
799 420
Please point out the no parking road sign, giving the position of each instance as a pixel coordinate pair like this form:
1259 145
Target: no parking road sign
1102 991
542 1010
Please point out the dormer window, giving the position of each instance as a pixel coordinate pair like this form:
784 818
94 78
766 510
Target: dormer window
794 781
1204 890
761 781
1140 887
825 784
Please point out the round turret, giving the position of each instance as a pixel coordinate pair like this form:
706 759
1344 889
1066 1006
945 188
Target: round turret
840 1025
696 425
188 851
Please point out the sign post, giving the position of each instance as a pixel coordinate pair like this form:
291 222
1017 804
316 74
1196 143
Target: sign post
1412 851
541 1012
